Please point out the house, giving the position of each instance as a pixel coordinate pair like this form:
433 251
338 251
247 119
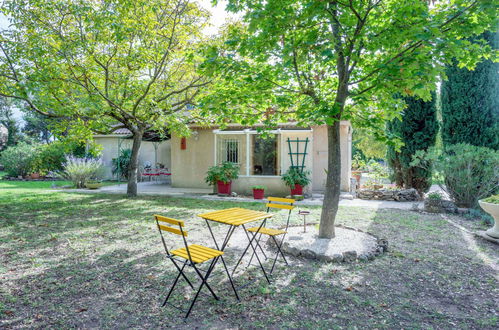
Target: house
262 159
153 150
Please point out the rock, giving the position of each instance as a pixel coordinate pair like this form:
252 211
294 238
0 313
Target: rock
233 194
346 196
415 207
337 257
439 206
325 257
463 210
401 195
309 254
363 257
383 244
293 251
349 256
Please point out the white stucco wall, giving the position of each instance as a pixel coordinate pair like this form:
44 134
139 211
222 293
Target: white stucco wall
189 166
110 146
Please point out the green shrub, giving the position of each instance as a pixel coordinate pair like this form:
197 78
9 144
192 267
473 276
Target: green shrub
18 160
121 164
418 130
294 176
434 195
492 199
51 156
225 172
470 173
81 170
484 217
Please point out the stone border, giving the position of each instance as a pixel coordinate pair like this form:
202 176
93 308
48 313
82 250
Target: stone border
347 256
398 195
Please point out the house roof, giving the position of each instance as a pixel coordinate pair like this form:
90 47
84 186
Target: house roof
289 125
125 133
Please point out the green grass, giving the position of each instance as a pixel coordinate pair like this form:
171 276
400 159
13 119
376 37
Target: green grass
41 185
96 261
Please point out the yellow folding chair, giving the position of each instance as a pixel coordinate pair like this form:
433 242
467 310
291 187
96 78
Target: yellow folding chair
190 255
273 203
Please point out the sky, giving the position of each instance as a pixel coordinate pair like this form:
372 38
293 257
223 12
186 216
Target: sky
218 18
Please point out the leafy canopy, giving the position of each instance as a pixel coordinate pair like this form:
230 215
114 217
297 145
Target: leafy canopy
320 61
103 62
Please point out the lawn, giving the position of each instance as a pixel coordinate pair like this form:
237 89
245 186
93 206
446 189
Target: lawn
95 261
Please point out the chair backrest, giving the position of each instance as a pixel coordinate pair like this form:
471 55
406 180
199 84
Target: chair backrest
281 203
180 231
179 223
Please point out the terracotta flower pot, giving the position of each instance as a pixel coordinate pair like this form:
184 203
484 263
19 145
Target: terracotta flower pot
224 188
357 175
258 193
297 190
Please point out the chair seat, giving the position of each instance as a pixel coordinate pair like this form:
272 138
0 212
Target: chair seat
198 253
267 231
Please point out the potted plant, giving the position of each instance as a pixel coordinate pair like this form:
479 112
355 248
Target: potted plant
258 192
296 179
358 166
222 175
491 206
93 184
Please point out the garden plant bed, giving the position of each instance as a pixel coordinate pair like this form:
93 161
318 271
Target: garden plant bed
348 245
73 260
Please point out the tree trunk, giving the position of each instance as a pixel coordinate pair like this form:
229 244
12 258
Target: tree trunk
134 164
332 194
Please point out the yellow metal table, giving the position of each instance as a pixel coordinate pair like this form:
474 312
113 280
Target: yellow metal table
235 217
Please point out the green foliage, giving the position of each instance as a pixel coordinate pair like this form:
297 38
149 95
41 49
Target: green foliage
18 160
8 121
366 142
94 64
470 172
225 172
259 187
37 126
470 103
434 195
417 130
478 213
122 163
492 199
81 170
377 171
304 55
294 176
358 164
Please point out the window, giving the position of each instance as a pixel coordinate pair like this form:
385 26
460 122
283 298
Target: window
228 150
264 156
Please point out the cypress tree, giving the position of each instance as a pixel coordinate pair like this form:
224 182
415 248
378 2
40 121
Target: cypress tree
418 131
470 103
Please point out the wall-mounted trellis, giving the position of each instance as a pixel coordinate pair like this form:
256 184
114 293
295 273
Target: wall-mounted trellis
298 158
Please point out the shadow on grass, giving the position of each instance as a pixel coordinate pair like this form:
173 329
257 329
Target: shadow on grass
77 260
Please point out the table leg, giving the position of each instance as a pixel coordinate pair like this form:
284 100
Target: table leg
254 250
247 247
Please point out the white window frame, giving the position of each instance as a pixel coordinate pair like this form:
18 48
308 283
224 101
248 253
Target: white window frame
247 133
